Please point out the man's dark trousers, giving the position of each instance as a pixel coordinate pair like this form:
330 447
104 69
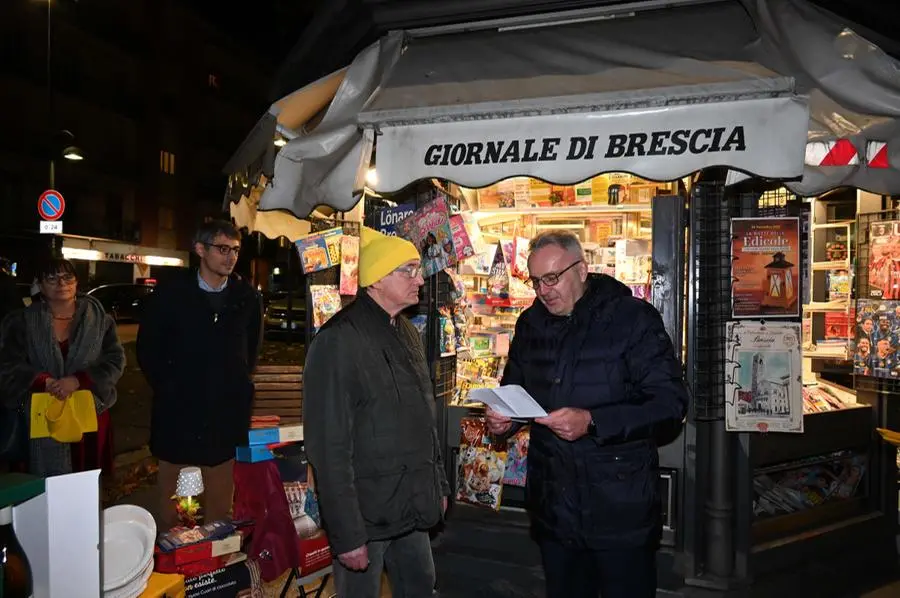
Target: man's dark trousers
616 573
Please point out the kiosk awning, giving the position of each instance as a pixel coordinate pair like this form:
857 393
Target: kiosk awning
660 94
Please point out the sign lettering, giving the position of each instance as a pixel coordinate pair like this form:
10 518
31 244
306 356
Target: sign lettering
624 145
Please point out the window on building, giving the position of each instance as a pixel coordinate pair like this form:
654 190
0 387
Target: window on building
166 162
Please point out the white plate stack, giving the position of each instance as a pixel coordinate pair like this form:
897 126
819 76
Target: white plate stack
129 537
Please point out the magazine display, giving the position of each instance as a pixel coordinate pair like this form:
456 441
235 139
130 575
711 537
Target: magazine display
429 229
765 254
877 339
763 380
349 265
884 260
481 468
320 251
326 301
809 485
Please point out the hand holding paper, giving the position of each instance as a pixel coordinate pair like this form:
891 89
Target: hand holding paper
512 401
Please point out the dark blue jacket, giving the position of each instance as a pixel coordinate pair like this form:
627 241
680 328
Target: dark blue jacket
611 356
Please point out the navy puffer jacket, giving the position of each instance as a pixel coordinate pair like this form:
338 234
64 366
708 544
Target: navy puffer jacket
611 356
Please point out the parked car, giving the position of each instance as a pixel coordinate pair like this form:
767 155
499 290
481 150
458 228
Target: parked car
123 301
276 314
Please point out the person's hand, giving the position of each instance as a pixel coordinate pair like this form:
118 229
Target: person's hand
568 423
444 504
355 560
49 384
497 424
63 388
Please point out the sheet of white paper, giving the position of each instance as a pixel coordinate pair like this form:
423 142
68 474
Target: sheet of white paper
511 401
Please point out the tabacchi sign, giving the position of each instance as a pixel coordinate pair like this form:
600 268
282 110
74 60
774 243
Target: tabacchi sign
765 137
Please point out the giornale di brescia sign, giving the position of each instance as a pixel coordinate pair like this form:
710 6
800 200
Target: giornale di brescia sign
766 137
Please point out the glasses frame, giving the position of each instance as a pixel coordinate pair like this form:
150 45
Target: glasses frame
60 279
410 271
551 279
224 250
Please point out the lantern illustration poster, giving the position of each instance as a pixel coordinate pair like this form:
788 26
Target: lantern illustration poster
763 377
765 271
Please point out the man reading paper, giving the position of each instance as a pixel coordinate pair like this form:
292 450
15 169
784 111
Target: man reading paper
600 362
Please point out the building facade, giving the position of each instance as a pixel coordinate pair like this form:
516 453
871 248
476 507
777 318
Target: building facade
155 99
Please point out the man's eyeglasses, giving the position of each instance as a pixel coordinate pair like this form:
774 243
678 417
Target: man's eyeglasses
59 279
550 279
410 271
225 250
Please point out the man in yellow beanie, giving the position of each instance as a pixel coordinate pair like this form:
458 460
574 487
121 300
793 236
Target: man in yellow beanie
369 426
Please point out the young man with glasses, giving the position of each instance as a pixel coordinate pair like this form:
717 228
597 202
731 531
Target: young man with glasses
197 345
369 426
602 365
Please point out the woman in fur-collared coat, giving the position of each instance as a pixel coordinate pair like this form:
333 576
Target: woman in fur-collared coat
59 345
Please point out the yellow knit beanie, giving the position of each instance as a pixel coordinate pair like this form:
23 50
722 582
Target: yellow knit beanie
379 255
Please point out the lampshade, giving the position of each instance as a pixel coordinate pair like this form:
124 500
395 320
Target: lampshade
190 482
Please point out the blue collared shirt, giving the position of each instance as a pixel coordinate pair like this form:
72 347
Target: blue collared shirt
205 285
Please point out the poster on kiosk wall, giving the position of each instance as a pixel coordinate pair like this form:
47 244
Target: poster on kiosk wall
765 270
763 377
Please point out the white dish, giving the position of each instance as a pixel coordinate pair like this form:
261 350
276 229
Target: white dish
133 589
129 536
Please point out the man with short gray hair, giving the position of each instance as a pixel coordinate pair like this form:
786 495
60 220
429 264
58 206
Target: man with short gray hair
602 365
197 345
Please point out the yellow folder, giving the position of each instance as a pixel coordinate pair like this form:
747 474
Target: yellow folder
64 421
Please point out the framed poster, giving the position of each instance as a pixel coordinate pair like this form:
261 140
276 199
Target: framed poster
876 338
884 260
765 271
763 377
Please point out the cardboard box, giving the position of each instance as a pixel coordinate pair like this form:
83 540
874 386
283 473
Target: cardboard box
202 551
253 454
228 582
266 436
163 585
315 553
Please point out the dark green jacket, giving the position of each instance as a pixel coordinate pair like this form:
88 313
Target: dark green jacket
369 428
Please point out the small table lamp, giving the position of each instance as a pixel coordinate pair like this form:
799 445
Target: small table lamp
187 488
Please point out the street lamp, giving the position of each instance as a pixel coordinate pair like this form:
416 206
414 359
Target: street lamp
63 139
73 153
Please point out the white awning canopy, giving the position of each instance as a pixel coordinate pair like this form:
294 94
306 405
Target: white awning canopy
756 126
741 84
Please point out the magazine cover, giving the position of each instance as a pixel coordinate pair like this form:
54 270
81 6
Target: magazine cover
763 378
884 260
429 230
349 265
462 245
765 253
837 284
498 277
480 479
875 346
326 301
320 251
517 458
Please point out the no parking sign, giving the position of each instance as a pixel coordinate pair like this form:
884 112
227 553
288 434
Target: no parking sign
51 207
